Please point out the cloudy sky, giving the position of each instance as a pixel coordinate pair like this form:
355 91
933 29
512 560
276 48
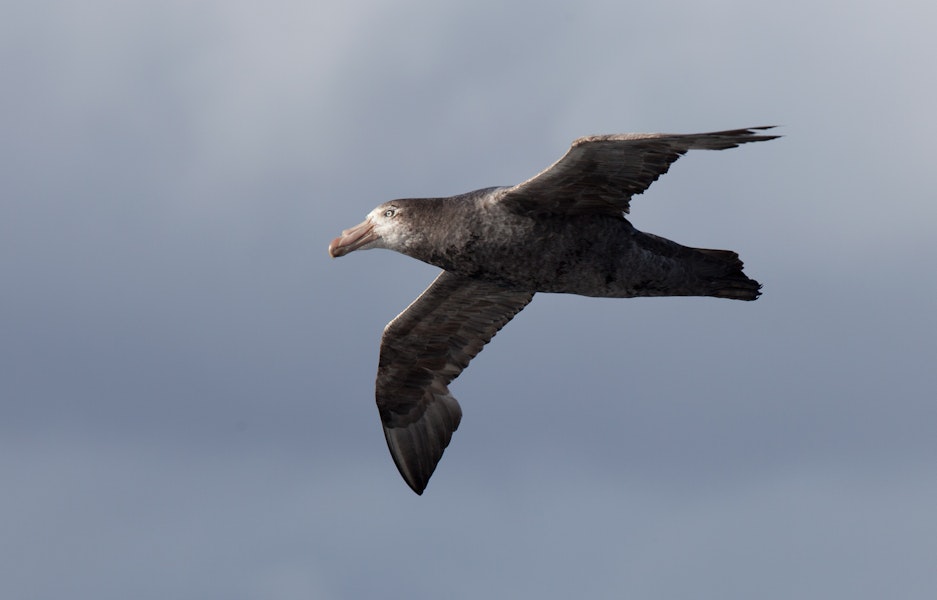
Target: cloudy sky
186 378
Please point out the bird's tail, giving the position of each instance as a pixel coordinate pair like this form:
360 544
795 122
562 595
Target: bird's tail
722 270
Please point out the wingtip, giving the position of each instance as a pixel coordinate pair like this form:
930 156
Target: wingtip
753 131
418 446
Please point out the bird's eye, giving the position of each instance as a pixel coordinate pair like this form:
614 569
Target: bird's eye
390 212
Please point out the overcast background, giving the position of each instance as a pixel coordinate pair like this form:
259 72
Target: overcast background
186 378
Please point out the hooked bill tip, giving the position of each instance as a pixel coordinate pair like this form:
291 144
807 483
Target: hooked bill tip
335 250
352 239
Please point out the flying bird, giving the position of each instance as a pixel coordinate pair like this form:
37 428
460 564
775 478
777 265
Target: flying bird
562 231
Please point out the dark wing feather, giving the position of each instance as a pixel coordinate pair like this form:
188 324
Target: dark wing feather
423 349
600 174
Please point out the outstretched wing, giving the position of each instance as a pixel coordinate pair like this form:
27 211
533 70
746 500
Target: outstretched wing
600 174
422 350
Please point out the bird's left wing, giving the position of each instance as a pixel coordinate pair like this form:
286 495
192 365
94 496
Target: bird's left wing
600 174
423 349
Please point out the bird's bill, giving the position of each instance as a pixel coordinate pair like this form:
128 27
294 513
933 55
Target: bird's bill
352 239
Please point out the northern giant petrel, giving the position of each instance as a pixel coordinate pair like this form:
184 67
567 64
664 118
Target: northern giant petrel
563 231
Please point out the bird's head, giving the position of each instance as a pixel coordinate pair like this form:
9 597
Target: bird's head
385 227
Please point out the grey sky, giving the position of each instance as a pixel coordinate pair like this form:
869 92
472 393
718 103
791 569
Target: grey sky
186 378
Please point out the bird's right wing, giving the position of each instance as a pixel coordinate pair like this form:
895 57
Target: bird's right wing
423 349
600 174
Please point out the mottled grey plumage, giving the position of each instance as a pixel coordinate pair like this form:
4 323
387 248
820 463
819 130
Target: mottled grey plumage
561 231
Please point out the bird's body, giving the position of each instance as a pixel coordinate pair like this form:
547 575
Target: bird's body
562 231
475 236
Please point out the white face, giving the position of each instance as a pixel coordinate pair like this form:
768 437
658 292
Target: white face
383 228
391 227
386 225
